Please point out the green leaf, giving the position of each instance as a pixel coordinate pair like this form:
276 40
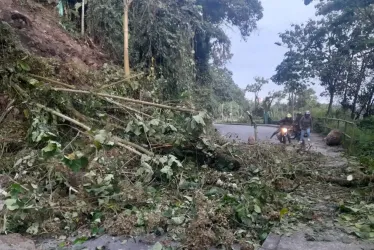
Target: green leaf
353 209
80 240
283 212
172 128
62 244
157 246
75 164
77 6
168 171
173 159
34 82
24 66
163 159
257 209
346 217
199 119
33 229
212 191
371 219
51 148
178 220
134 85
102 137
263 236
11 204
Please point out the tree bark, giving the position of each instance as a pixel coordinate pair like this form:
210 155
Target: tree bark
330 103
126 5
357 89
369 105
82 21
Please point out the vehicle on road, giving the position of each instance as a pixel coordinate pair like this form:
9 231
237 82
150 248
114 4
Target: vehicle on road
284 135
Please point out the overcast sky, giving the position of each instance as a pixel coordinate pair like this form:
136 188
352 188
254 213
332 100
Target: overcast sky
259 56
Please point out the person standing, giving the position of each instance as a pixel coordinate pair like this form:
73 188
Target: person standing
297 128
305 125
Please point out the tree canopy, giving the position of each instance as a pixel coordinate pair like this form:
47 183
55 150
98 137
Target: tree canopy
184 39
336 50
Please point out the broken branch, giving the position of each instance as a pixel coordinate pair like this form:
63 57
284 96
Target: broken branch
7 110
117 139
126 99
127 108
120 81
52 81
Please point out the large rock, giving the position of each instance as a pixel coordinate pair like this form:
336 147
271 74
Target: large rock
16 242
334 138
251 140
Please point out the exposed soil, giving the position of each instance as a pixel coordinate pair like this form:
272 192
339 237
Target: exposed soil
41 33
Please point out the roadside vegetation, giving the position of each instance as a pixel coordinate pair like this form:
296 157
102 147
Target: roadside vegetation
120 140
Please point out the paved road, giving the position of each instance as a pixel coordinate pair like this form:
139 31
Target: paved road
242 132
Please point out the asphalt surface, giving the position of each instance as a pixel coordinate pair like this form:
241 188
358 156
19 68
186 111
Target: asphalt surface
242 132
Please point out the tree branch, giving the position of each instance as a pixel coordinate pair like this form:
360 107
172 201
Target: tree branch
126 99
87 128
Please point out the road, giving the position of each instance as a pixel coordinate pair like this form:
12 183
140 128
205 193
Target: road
242 132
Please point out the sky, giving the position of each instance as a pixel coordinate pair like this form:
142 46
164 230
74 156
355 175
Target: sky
259 56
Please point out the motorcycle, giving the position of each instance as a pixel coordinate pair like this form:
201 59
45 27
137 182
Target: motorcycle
282 135
295 133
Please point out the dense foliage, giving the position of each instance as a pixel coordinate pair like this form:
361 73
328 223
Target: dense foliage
181 44
337 50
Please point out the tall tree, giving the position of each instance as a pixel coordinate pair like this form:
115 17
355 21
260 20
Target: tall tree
256 87
126 60
270 98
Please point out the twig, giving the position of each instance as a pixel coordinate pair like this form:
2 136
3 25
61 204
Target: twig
117 139
125 99
64 117
6 112
13 180
224 145
71 141
122 141
129 148
120 81
53 81
126 107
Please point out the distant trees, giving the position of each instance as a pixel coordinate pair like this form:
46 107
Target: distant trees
256 87
338 50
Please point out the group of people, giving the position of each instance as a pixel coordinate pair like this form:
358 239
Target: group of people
302 125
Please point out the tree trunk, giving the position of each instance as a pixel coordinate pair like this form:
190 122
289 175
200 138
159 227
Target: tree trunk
126 62
330 103
358 87
293 104
82 21
369 105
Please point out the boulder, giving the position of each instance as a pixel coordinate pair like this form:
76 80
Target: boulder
16 242
251 140
334 138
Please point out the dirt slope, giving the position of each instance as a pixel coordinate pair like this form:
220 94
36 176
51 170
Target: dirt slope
40 33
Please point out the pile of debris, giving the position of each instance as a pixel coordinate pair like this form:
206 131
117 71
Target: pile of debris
78 156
